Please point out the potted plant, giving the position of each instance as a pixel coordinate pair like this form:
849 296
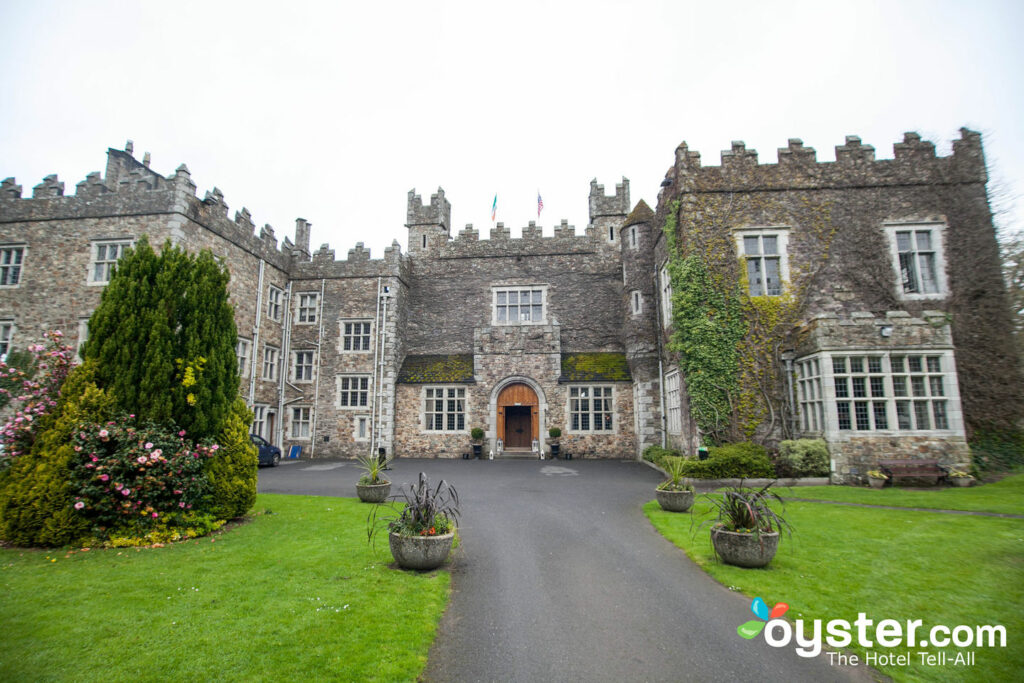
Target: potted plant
745 530
960 478
372 488
422 530
673 494
476 437
877 478
554 434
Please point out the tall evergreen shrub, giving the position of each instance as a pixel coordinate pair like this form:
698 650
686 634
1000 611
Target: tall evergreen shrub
231 471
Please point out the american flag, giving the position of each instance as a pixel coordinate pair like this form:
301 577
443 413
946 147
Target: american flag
540 204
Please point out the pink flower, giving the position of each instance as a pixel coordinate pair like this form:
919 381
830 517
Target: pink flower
141 459
79 505
149 445
177 492
181 433
181 504
155 515
104 477
214 447
126 492
157 453
104 434
118 485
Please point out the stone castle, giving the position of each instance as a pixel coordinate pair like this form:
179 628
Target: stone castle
903 334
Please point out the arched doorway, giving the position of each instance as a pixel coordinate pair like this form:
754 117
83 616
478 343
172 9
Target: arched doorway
518 416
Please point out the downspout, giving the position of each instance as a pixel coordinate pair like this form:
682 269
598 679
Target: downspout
661 373
383 343
256 337
286 341
376 351
316 380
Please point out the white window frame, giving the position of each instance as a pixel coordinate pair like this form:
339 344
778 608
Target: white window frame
243 352
308 370
346 333
274 300
344 388
811 396
12 260
259 420
673 403
446 402
504 292
781 235
364 420
636 302
271 362
307 308
306 419
7 329
634 238
574 394
928 387
106 263
665 279
937 233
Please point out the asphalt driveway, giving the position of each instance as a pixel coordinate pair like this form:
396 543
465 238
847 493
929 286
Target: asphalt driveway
560 577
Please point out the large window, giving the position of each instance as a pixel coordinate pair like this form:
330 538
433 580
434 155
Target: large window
302 366
673 407
918 259
104 257
270 360
302 422
353 391
520 305
307 308
274 296
763 251
242 350
444 409
11 259
896 391
6 333
259 421
355 335
591 409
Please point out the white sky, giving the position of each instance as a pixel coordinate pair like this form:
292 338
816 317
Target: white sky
333 111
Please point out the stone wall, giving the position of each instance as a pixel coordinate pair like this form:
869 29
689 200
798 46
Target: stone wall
853 457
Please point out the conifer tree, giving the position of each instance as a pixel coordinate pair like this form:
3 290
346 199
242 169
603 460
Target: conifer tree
164 339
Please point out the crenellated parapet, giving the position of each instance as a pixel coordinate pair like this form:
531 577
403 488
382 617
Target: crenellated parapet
437 212
359 263
613 205
914 163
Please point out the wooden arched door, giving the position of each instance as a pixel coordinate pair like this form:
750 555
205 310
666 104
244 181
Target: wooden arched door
518 416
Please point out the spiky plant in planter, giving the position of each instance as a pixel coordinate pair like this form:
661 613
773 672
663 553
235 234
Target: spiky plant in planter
674 495
745 530
420 531
372 487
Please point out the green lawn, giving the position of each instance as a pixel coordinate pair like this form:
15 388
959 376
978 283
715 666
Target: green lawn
890 564
1006 496
294 594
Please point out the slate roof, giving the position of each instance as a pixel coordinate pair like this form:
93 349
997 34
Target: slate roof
641 213
437 369
589 367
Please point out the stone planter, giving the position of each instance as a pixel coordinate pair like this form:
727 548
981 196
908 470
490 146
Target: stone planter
744 550
674 501
961 481
876 483
420 552
373 493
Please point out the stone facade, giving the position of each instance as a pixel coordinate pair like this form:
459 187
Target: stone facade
410 351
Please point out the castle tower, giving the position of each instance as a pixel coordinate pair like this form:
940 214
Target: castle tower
429 224
607 213
639 300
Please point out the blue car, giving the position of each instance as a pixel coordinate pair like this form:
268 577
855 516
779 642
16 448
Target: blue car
269 455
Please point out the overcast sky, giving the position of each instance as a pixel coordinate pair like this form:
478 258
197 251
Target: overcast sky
334 111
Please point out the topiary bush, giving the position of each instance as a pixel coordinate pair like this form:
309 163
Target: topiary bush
742 460
803 458
36 499
232 469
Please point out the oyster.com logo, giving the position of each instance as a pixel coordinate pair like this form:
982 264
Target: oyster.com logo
753 627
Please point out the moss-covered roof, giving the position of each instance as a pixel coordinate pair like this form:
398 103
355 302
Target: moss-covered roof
588 367
437 369
641 213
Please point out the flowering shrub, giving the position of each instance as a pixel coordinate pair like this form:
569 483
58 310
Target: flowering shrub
33 391
130 477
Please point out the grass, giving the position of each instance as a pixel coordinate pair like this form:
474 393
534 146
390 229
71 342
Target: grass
1005 496
890 564
294 594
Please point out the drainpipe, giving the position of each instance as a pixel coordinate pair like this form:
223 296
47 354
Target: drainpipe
383 342
316 379
376 352
787 356
286 341
256 337
661 373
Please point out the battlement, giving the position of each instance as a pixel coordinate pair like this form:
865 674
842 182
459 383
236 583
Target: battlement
614 205
914 162
437 212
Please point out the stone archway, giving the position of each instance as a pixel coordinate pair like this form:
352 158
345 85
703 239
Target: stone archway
517 413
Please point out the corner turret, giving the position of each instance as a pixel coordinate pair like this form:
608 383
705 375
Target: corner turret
607 213
428 224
